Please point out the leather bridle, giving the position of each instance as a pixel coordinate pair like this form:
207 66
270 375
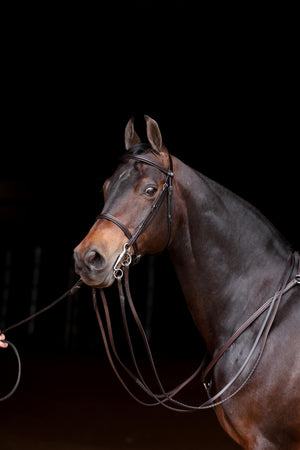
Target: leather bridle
121 267
125 258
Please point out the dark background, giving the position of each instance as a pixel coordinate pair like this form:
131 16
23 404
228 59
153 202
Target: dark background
221 83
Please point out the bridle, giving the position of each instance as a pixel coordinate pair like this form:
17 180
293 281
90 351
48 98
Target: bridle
125 258
121 266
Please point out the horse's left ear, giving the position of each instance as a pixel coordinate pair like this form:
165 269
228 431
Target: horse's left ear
131 137
154 135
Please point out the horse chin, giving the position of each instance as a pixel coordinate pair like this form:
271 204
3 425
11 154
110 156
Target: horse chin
98 281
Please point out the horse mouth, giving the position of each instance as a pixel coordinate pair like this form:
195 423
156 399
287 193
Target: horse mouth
96 280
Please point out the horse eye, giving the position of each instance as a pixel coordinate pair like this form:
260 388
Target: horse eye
150 191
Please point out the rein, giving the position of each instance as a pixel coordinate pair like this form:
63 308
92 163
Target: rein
121 273
163 397
71 291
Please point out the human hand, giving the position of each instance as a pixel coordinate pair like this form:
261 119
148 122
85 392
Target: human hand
3 344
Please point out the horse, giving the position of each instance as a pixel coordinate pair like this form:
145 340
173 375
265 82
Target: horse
229 259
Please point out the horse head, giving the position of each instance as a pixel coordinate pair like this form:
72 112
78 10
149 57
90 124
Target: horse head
132 199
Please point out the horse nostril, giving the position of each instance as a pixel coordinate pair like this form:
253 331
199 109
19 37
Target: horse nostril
94 260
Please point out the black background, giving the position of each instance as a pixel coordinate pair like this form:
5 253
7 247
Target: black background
222 81
223 86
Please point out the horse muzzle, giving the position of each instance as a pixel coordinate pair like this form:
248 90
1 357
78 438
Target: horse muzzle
93 267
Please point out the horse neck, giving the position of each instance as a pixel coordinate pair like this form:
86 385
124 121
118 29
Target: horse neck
227 256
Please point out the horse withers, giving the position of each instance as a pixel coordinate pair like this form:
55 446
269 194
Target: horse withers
229 260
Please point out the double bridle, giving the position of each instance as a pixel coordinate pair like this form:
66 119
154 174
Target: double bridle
168 398
121 267
125 258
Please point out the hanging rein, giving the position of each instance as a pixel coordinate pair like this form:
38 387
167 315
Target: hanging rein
130 255
68 293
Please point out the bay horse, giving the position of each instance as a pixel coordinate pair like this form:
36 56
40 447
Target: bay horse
229 259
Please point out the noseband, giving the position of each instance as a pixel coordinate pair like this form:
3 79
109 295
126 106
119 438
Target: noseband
125 258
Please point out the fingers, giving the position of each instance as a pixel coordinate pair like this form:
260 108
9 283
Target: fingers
3 344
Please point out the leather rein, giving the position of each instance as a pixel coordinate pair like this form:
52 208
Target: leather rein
121 268
121 273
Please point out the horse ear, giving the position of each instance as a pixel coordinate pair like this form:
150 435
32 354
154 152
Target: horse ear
154 135
131 137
